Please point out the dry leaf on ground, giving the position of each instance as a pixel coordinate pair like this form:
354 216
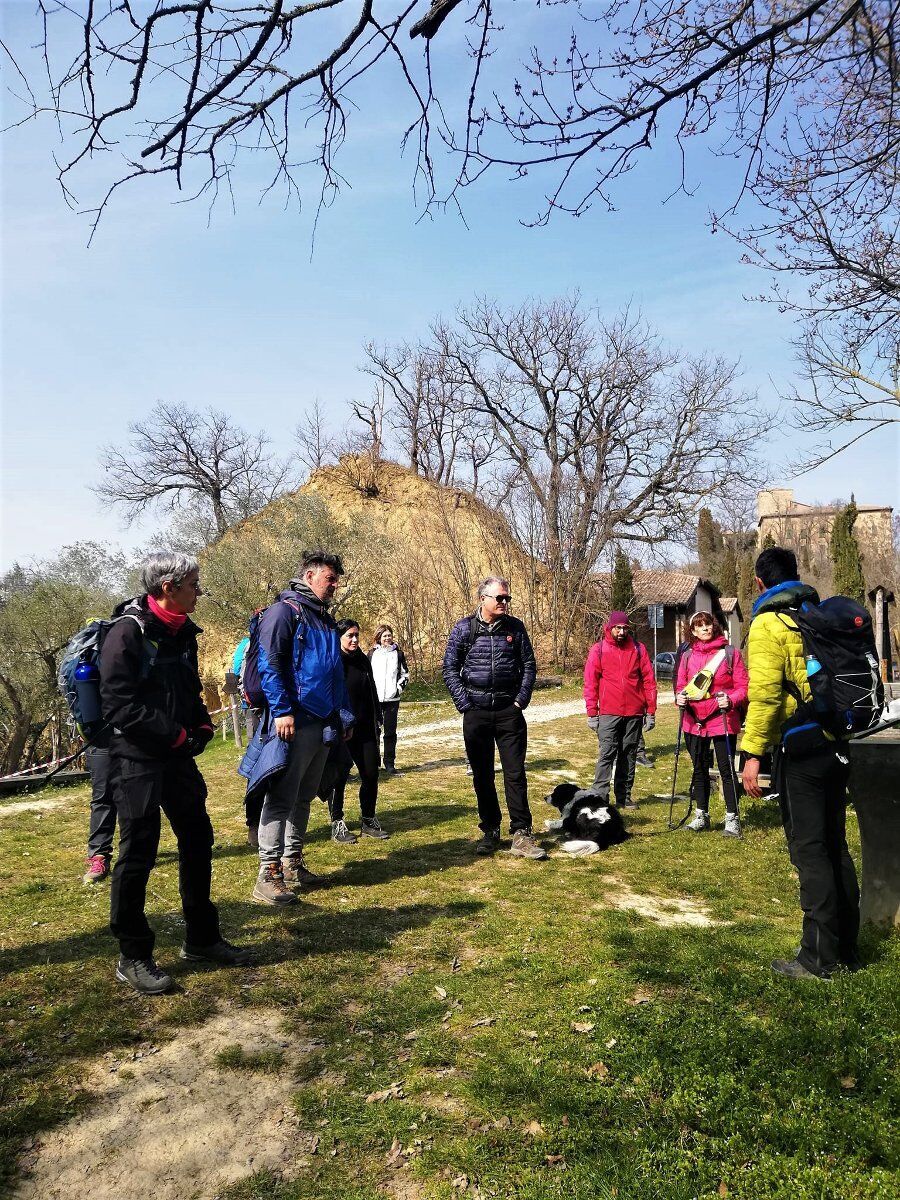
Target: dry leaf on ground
534 1129
394 1092
583 1026
599 1070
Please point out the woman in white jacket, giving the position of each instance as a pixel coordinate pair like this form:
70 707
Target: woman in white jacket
391 677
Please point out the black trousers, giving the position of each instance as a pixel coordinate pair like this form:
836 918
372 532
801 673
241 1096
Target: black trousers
142 790
701 750
363 752
505 727
389 713
103 810
813 796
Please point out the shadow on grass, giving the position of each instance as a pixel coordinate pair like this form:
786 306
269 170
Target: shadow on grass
406 862
400 819
326 932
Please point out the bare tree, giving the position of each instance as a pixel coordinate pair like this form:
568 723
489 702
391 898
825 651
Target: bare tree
441 436
614 437
179 457
316 446
846 395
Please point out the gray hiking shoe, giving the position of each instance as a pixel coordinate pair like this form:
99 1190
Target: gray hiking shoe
270 888
297 873
340 833
700 821
143 975
644 760
488 843
220 952
732 825
372 828
524 845
628 804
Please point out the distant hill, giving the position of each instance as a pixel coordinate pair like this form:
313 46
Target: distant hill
414 552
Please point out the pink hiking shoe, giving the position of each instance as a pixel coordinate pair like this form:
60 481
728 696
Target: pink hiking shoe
97 869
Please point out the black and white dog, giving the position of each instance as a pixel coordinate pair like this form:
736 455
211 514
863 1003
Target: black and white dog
587 824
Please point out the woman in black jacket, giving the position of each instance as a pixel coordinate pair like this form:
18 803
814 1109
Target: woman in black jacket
362 747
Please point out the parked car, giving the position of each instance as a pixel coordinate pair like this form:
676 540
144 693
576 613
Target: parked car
664 664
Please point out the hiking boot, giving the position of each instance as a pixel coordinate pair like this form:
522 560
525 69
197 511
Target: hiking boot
253 836
371 828
297 873
700 821
97 869
793 969
270 887
143 975
524 845
340 833
220 952
488 843
628 804
732 825
644 760
390 769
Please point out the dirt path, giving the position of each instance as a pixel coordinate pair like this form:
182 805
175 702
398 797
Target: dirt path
170 1123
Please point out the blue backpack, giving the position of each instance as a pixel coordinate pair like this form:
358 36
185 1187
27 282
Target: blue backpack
249 681
78 678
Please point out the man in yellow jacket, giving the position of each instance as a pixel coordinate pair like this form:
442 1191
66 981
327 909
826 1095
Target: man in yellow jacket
812 789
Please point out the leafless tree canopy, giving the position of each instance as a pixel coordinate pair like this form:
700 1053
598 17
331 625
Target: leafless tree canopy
439 432
803 95
845 394
598 433
179 458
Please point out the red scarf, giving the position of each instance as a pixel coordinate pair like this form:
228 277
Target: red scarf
173 621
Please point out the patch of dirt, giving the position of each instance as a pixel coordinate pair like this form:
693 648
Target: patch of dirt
168 1122
664 910
24 806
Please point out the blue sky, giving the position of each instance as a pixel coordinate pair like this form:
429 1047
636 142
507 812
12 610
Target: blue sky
238 313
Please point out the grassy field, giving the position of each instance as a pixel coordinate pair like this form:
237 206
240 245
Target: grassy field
601 1027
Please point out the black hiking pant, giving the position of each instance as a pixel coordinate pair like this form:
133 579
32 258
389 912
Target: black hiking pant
507 728
701 751
102 825
143 790
389 713
813 796
363 752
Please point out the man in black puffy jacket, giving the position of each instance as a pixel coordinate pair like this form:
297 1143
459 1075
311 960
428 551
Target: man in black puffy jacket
489 670
151 698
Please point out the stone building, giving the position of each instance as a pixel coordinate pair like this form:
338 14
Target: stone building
806 528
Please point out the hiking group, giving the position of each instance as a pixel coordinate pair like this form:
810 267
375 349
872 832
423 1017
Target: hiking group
321 705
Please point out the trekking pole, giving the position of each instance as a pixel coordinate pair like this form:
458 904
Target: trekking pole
675 772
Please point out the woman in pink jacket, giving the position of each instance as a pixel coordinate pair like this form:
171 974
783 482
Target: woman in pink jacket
711 725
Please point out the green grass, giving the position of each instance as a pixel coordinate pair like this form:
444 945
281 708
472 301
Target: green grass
717 1077
236 1058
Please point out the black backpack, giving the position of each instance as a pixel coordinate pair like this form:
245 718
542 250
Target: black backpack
841 665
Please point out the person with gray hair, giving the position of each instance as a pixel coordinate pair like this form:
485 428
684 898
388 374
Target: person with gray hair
489 669
151 698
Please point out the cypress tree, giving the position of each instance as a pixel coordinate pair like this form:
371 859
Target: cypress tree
845 555
709 543
622 593
768 542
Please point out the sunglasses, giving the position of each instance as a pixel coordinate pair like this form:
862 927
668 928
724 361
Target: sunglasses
499 599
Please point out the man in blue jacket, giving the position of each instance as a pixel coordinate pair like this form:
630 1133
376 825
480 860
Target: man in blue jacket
302 676
489 670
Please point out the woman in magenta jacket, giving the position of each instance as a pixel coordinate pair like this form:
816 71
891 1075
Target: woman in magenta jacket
711 726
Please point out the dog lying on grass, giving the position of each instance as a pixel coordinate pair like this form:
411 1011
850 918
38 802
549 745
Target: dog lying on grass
587 824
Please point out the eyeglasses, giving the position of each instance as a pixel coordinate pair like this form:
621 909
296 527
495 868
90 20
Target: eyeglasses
499 599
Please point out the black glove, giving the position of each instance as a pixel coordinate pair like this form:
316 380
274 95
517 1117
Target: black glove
198 740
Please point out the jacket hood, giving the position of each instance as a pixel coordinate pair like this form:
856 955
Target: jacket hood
789 594
301 594
137 606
